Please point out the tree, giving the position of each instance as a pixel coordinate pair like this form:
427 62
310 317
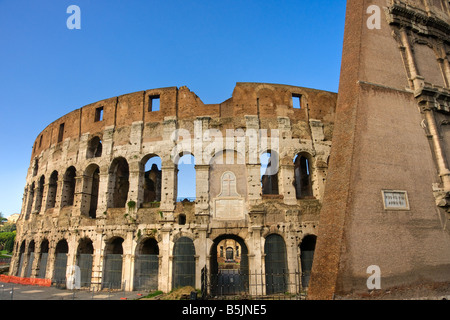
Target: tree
2 219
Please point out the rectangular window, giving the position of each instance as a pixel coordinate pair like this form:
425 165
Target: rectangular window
40 141
297 101
99 114
61 132
153 103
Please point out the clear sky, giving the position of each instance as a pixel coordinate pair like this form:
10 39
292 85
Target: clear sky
47 70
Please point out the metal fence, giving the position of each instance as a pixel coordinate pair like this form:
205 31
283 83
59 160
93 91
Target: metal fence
112 272
235 284
4 261
146 274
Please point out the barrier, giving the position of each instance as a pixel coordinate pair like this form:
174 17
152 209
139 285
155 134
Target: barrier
25 281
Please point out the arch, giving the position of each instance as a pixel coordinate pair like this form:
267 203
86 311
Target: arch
52 190
150 178
183 263
275 260
95 148
112 265
302 175
68 191
31 193
40 193
43 258
84 259
91 183
119 175
146 265
21 258
227 157
229 276
60 265
30 259
307 248
269 172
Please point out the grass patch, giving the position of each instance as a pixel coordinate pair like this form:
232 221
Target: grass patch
152 294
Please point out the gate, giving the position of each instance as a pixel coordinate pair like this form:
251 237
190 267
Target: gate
183 263
112 272
146 272
43 265
59 274
29 265
85 265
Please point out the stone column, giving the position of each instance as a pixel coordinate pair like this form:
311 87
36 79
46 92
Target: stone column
165 260
103 193
78 196
254 183
133 193
255 261
418 81
35 266
128 259
202 191
97 261
51 260
168 186
286 183
439 153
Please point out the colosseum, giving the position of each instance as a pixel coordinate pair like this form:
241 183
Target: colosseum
101 191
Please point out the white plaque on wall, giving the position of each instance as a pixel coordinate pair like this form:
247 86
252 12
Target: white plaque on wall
395 200
228 205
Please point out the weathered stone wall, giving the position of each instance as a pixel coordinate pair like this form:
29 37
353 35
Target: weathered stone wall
390 134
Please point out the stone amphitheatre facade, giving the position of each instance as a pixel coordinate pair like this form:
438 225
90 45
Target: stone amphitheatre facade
91 202
381 147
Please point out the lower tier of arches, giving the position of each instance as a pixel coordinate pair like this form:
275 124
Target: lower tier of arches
254 263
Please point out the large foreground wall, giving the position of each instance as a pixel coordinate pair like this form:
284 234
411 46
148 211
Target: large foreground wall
385 202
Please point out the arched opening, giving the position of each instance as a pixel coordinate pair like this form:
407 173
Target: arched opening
269 172
21 258
59 271
183 270
52 190
229 265
36 167
43 259
68 194
307 248
152 176
186 187
91 185
30 259
85 254
30 201
112 265
275 264
146 265
40 193
94 149
119 175
302 176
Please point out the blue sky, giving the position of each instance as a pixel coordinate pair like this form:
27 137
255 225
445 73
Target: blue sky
47 70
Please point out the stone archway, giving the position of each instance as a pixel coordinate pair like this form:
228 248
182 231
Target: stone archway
229 272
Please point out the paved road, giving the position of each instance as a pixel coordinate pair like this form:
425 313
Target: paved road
10 291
